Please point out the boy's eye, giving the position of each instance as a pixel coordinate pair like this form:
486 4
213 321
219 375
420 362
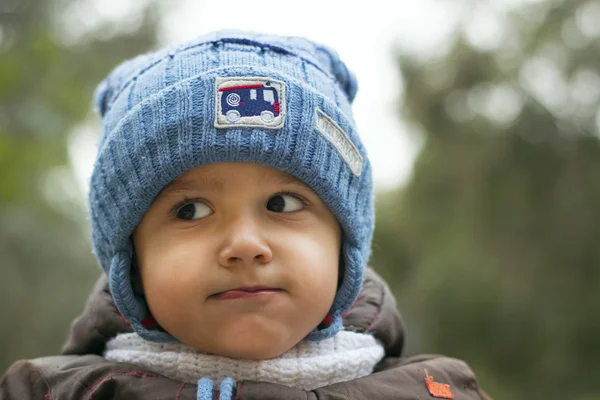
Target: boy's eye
284 203
193 210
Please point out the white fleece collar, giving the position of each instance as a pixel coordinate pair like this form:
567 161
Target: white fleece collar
307 366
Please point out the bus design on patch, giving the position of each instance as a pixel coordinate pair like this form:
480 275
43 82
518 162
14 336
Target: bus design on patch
255 102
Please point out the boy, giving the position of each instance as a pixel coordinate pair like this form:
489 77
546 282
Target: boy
232 210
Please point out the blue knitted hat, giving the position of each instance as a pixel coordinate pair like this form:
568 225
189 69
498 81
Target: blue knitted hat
229 96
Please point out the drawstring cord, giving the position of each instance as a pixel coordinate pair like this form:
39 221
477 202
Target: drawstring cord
205 389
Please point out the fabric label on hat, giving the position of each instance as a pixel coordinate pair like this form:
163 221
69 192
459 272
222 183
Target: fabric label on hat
249 101
336 135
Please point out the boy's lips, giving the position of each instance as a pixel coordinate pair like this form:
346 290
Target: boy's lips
246 292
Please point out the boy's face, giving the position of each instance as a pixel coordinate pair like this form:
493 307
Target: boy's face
221 231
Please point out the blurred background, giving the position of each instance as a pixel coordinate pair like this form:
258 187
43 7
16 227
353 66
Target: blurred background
482 120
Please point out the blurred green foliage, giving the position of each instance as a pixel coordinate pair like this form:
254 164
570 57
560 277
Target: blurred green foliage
46 90
492 248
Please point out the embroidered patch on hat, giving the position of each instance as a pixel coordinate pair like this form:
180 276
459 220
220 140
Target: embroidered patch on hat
439 390
339 138
256 102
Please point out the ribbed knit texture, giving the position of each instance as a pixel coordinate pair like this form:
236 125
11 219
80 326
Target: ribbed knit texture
307 366
158 113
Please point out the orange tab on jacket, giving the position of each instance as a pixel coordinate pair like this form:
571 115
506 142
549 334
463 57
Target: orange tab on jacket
439 390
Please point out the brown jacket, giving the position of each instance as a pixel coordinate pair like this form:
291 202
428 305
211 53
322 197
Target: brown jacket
81 372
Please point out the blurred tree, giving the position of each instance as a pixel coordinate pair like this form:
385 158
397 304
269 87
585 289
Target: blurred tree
52 54
496 235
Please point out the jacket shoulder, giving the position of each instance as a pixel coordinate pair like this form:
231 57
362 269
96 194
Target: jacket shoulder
23 381
410 378
87 377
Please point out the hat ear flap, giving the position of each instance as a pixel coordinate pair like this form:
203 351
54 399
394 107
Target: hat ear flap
131 306
321 334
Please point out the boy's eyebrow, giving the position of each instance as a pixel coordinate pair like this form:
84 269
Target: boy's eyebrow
182 185
186 185
285 177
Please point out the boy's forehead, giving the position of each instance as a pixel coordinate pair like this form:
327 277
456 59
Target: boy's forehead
214 183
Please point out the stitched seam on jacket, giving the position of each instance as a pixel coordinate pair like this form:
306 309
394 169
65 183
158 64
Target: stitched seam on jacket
378 310
139 374
39 371
179 390
239 391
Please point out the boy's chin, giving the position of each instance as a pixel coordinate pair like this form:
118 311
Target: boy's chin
250 337
255 348
254 354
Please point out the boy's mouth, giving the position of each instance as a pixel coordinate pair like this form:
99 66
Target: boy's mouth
246 292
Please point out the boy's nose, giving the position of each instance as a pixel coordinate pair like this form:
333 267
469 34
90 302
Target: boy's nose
245 246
